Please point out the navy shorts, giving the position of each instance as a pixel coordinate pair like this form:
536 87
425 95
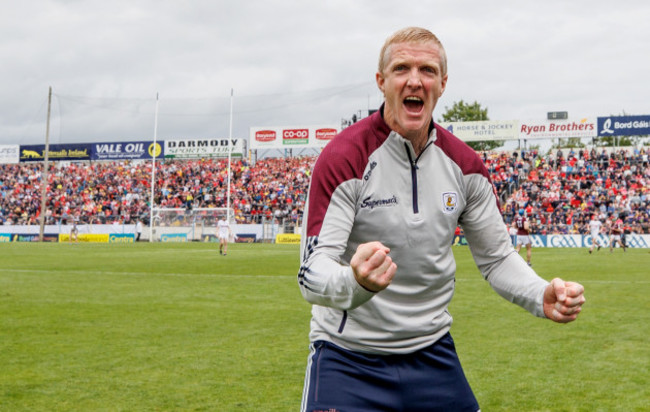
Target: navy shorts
431 379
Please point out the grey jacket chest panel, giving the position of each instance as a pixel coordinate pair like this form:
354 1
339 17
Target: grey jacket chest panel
385 203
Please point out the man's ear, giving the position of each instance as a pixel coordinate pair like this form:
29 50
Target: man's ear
380 81
444 84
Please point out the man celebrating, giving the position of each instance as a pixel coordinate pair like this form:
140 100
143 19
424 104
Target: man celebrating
385 198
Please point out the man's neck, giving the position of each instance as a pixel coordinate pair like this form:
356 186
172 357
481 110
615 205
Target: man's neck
418 140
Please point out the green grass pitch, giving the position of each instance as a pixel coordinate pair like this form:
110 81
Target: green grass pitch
176 327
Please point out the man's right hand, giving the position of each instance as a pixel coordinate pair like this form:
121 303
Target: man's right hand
373 268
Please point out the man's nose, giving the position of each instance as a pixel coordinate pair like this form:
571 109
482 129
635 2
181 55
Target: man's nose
414 79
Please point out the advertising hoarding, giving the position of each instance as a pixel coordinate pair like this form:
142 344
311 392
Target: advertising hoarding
483 130
298 137
56 152
204 148
557 129
9 153
624 125
127 150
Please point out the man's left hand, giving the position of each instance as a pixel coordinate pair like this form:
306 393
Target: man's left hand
563 300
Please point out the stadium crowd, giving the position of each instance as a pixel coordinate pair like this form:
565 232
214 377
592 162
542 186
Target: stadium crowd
274 188
558 191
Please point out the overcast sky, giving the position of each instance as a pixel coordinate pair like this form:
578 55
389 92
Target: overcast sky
299 63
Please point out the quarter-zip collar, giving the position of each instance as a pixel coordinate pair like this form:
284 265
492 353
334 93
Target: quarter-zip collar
414 172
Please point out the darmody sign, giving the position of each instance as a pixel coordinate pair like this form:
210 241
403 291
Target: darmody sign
204 148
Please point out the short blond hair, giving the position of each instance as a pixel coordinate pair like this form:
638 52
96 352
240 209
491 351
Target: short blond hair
411 35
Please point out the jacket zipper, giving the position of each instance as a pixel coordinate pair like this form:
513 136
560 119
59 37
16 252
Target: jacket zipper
414 175
343 320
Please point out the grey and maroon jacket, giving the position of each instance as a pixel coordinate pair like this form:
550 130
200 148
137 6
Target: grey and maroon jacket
368 185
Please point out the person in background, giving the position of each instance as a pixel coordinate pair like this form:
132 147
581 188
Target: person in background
522 225
138 230
615 234
595 226
223 232
74 231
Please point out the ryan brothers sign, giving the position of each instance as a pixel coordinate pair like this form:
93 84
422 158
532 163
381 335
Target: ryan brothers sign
557 129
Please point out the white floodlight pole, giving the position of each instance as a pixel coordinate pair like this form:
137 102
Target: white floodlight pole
153 171
44 176
229 153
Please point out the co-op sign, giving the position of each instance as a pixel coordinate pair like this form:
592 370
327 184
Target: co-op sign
624 125
291 137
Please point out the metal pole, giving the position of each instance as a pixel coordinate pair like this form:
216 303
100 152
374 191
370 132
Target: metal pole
44 177
229 153
153 171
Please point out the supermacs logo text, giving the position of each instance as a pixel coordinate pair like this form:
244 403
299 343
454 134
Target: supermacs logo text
373 203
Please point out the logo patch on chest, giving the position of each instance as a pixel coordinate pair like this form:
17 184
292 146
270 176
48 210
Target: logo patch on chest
449 202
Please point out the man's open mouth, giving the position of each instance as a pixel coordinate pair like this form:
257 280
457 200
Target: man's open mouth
413 104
